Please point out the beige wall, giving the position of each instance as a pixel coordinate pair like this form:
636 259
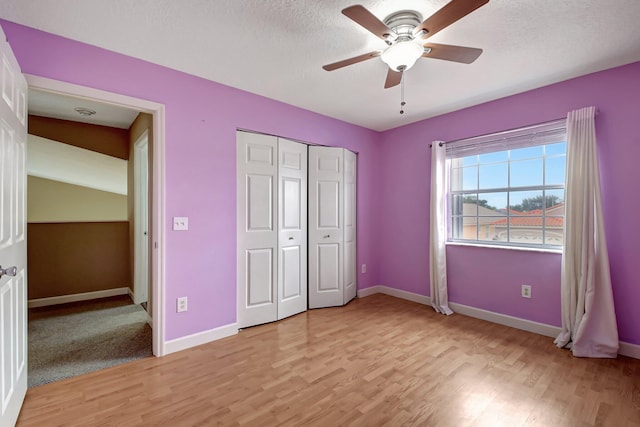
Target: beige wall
77 257
54 201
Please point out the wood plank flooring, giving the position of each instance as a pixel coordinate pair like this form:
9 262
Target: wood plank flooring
378 361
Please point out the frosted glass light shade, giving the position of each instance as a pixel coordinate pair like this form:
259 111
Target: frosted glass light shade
402 54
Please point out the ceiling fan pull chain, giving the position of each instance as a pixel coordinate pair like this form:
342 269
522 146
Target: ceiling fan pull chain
402 103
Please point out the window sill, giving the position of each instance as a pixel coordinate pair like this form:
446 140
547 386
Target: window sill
510 248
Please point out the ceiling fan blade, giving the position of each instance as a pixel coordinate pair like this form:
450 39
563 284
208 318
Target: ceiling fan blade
393 78
350 61
450 13
447 52
366 19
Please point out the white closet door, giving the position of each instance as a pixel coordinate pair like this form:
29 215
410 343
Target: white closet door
292 229
326 213
350 262
257 174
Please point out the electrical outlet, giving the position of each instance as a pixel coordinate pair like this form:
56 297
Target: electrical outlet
364 268
181 304
180 223
526 291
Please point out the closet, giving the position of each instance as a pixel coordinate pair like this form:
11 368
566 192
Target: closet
295 209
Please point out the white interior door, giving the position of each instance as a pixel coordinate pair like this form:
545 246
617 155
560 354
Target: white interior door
141 220
257 236
350 261
326 228
292 228
13 246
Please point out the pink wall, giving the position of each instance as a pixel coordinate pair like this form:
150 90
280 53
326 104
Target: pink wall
490 278
201 121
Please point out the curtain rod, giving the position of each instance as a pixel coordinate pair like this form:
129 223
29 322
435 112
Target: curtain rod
440 144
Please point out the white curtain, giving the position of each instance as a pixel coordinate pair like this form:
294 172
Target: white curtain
588 316
437 230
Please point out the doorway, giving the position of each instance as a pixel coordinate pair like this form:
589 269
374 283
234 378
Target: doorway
152 232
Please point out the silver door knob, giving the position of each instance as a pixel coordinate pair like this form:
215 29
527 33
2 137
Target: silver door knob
290 238
326 237
11 271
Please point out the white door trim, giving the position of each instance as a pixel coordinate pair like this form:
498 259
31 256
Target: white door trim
158 208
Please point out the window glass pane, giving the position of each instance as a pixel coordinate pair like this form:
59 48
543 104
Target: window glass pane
526 202
554 202
498 156
494 175
469 228
525 229
526 173
464 204
554 231
470 160
456 227
554 170
526 153
470 178
464 178
492 203
492 229
552 149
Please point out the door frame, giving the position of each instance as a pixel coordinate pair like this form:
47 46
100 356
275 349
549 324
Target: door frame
141 218
158 209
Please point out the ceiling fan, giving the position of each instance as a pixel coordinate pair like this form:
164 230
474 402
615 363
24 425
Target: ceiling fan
405 33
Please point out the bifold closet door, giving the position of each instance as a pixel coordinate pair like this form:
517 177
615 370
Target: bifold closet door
332 226
350 194
292 228
271 228
257 236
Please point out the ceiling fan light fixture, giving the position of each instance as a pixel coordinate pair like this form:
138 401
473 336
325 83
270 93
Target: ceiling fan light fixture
402 55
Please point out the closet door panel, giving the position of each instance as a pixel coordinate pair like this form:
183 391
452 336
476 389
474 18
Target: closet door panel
326 228
292 228
350 215
257 236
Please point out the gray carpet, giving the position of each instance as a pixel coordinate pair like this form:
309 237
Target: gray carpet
72 339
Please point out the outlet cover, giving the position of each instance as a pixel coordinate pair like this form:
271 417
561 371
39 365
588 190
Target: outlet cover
364 268
526 291
181 304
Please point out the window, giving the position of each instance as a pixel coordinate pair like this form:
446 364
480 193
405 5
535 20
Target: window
508 188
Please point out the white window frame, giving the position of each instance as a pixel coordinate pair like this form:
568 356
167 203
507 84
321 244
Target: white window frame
530 136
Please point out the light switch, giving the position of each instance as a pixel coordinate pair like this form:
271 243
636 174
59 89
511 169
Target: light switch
180 223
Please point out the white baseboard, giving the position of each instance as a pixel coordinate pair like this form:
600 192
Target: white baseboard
381 289
630 350
506 320
369 291
626 349
199 338
85 296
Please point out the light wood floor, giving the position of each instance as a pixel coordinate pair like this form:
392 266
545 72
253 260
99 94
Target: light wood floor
377 361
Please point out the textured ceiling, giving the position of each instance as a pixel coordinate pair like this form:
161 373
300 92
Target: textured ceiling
276 48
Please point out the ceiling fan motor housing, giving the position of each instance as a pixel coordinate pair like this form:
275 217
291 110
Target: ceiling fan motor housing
403 23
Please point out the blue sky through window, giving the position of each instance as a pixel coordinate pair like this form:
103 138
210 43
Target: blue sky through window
522 167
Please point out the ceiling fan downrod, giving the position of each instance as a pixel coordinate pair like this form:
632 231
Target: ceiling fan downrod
402 103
